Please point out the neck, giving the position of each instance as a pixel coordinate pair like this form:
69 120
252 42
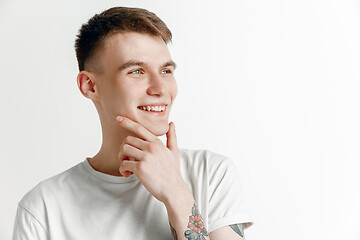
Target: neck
107 159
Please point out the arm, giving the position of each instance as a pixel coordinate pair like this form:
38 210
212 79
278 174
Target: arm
184 218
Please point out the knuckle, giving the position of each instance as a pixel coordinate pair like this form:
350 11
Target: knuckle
146 156
139 167
124 147
151 147
137 128
128 138
136 167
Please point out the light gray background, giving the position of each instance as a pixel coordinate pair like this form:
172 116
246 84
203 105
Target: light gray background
272 84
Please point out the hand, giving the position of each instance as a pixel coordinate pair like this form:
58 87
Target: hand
156 166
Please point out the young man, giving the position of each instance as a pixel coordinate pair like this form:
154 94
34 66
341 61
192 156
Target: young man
135 186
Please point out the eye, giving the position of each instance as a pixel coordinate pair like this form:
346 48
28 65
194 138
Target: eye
137 71
166 71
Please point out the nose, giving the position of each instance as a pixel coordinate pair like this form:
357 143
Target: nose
156 85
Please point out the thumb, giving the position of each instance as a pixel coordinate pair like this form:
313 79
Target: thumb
171 141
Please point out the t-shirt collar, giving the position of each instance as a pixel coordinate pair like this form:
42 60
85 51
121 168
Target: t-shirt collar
107 177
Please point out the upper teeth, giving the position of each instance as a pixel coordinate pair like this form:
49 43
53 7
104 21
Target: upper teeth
153 108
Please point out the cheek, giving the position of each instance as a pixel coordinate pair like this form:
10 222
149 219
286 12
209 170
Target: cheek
117 99
173 88
128 98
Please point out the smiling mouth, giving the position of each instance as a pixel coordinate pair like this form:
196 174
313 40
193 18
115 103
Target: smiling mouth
153 108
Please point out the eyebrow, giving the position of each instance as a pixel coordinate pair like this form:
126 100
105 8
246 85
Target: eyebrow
131 63
170 63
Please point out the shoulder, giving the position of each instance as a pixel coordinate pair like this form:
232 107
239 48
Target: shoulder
206 163
201 155
37 199
204 158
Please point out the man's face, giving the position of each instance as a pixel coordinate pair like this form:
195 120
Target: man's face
137 74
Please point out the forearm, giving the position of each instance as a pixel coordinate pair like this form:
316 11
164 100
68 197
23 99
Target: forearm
185 219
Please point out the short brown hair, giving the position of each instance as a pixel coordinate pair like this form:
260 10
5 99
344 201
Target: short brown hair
116 20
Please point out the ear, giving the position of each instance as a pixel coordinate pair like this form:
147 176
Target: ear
87 86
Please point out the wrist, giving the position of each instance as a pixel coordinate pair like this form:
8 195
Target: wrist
179 196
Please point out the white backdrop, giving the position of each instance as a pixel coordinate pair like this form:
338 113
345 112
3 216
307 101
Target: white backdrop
272 84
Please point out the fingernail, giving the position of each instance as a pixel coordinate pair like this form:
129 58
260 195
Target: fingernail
119 118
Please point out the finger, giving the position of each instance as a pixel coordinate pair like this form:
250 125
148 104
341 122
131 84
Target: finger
131 152
121 155
136 128
171 141
136 142
128 166
126 173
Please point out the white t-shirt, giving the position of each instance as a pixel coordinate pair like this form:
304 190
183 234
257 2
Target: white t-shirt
82 203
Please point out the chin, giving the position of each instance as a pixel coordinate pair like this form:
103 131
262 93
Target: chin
159 130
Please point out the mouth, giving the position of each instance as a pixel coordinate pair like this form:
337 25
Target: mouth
158 109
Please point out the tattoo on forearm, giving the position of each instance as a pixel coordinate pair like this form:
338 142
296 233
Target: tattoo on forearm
238 228
173 231
197 229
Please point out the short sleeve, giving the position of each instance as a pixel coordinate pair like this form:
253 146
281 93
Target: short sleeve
27 227
226 198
